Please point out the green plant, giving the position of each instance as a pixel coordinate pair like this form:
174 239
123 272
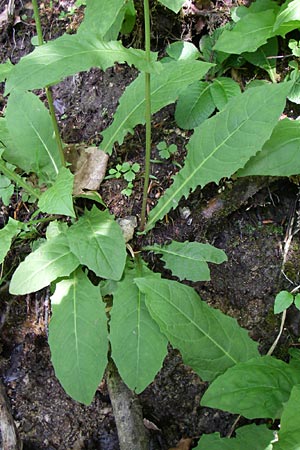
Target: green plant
149 311
166 151
127 171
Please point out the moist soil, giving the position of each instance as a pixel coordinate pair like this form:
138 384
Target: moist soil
254 222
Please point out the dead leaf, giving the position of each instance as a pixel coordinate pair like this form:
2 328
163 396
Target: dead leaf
150 425
88 165
183 444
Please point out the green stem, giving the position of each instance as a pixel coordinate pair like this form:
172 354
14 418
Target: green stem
48 90
18 180
147 115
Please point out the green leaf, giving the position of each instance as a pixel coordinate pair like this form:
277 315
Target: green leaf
6 236
283 300
100 17
174 5
289 12
225 142
58 198
297 301
209 341
78 336
69 54
251 31
222 89
129 18
262 57
280 154
97 241
289 434
248 437
188 260
255 389
51 260
31 133
194 105
165 88
182 50
138 346
5 69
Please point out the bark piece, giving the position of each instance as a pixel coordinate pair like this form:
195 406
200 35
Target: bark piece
9 433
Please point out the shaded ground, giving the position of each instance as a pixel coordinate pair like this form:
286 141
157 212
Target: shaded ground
252 229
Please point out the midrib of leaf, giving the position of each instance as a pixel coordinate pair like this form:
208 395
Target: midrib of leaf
182 255
53 261
44 145
75 323
189 319
95 234
139 334
187 180
197 99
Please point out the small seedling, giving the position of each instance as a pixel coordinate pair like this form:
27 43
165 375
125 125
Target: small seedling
127 171
295 47
165 150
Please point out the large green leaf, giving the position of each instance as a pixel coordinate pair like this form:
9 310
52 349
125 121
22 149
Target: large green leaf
69 54
51 260
289 12
208 340
174 5
280 154
188 260
195 104
32 144
165 88
58 198
6 235
255 389
138 346
78 336
224 143
97 241
100 17
250 32
248 437
289 434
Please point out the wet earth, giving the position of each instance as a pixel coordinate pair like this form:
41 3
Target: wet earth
258 230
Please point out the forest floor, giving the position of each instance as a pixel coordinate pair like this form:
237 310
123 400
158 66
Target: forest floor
255 221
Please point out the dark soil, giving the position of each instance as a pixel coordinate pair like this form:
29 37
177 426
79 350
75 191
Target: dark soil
252 227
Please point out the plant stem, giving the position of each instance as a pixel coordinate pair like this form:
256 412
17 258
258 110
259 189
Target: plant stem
18 180
127 411
48 90
147 115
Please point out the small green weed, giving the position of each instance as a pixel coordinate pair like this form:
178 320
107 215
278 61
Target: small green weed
128 171
166 151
